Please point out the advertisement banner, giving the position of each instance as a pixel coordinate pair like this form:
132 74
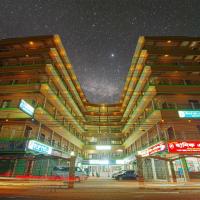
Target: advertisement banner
161 146
184 147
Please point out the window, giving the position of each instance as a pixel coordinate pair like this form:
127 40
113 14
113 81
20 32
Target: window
194 104
27 132
198 127
170 132
42 137
5 103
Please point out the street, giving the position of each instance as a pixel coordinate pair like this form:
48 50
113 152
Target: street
97 189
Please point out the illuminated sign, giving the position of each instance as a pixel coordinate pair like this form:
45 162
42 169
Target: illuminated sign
103 147
184 147
39 147
98 162
189 114
27 108
153 149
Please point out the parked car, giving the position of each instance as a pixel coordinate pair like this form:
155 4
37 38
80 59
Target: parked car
117 173
61 171
127 175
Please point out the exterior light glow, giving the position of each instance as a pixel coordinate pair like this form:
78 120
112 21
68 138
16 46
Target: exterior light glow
169 41
27 108
31 42
72 153
120 162
166 55
99 162
103 147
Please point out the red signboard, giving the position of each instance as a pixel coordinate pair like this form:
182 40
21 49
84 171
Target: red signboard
153 149
184 147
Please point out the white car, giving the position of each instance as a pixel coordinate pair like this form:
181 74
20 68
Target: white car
62 171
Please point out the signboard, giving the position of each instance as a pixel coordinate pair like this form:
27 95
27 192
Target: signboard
56 153
153 149
189 114
184 147
39 147
27 108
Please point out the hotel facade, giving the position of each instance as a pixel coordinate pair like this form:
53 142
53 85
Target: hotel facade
45 116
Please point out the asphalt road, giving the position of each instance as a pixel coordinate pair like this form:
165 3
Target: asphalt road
93 189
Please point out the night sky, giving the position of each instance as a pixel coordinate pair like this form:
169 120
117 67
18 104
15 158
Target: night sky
100 35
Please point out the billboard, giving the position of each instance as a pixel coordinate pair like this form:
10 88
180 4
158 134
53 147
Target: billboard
184 147
161 146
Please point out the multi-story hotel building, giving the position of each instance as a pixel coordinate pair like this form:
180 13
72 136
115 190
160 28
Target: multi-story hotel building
44 112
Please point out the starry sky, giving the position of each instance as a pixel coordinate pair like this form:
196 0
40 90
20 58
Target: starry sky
100 35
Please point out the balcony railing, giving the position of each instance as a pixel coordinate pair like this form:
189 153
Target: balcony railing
181 82
105 143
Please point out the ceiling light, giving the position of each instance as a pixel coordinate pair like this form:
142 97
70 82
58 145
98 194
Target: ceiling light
103 147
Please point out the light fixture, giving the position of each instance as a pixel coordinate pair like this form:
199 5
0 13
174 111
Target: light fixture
31 42
119 150
103 147
169 41
72 153
99 162
166 55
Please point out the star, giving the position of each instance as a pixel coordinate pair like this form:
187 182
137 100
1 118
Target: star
92 34
112 55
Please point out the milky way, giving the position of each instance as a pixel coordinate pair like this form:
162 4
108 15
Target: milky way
100 35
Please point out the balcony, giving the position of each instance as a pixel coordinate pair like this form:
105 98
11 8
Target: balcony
44 117
55 100
154 114
175 86
141 103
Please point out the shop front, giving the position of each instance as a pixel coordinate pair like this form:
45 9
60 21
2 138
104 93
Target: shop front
29 157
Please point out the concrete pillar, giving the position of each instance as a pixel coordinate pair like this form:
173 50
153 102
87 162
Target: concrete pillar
140 169
47 168
71 172
168 171
153 169
29 167
185 169
39 129
14 167
173 174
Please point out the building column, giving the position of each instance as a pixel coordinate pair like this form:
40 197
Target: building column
39 129
153 169
29 167
140 169
46 172
168 175
173 174
14 167
185 169
158 131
